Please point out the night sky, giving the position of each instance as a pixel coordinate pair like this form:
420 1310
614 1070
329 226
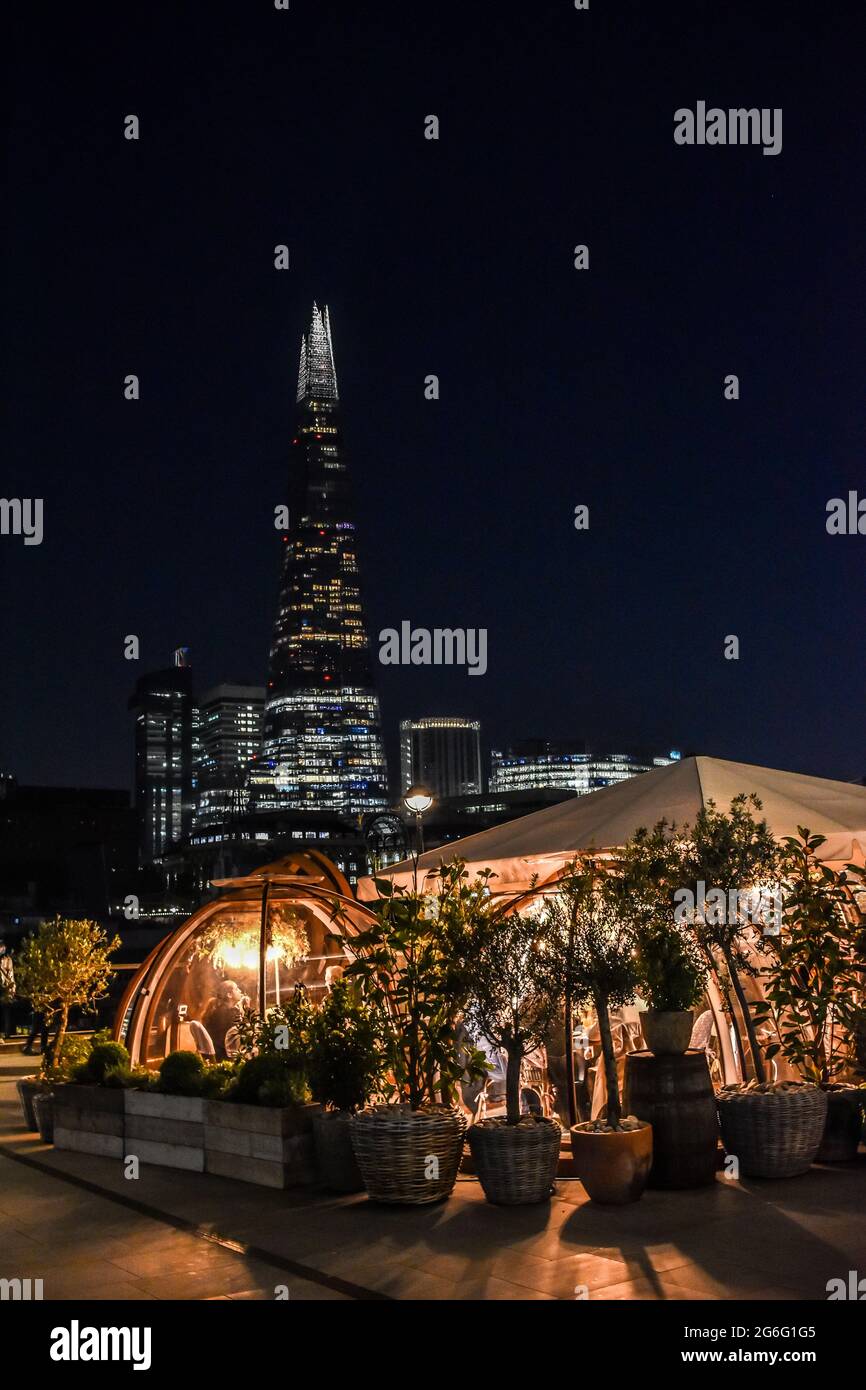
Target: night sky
558 387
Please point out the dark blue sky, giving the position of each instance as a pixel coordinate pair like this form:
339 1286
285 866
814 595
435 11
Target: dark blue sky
558 387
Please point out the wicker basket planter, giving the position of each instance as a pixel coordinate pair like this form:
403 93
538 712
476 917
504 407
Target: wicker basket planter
773 1134
408 1156
516 1164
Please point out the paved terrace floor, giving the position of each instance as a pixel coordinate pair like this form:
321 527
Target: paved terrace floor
89 1233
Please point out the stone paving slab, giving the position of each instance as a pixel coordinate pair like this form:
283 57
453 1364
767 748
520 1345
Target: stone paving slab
755 1240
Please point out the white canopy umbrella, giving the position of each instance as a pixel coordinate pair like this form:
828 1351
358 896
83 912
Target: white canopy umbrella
542 843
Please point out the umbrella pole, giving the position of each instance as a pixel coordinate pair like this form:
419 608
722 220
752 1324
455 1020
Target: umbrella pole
263 946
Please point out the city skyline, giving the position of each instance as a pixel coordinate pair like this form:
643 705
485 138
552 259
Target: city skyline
557 387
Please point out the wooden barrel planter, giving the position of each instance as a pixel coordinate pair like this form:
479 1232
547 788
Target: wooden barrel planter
675 1095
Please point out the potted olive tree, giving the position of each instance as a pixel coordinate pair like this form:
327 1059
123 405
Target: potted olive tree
671 966
65 964
515 992
727 859
345 1065
411 963
596 949
812 994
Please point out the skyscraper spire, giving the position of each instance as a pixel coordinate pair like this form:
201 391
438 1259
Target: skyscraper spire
317 377
322 741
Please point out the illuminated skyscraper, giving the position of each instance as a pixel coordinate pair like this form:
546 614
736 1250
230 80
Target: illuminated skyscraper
322 746
229 738
443 754
164 778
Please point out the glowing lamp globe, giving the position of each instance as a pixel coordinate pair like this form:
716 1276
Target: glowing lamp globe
418 800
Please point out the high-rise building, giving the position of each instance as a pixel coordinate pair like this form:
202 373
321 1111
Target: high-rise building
164 717
443 754
566 766
229 737
322 746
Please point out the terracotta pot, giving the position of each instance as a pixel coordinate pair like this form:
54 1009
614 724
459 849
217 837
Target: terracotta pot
843 1128
337 1164
613 1167
667 1033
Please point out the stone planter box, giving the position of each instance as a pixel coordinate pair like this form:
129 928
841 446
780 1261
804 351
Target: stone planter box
165 1130
89 1120
260 1144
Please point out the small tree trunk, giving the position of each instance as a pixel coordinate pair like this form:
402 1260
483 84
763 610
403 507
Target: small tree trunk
748 1021
614 1110
726 997
59 1036
569 1061
512 1082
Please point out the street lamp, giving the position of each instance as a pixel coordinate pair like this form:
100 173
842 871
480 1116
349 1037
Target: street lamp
418 801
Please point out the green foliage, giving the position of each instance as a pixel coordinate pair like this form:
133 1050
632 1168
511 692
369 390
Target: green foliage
345 1061
72 1056
182 1074
672 971
219 1077
283 1032
412 966
266 1080
814 990
643 881
129 1079
514 991
103 1058
736 853
65 965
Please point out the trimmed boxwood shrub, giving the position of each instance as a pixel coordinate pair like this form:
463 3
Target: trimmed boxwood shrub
266 1080
104 1057
182 1074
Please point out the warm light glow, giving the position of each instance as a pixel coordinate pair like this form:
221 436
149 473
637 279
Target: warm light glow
418 800
244 954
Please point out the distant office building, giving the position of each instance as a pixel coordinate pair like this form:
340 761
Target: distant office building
536 763
443 754
164 784
229 733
